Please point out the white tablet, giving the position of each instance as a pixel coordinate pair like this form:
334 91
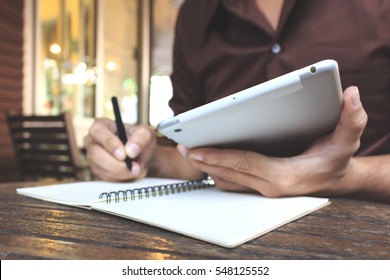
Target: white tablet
279 117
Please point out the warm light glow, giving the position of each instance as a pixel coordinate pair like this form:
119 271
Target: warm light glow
55 48
81 75
111 65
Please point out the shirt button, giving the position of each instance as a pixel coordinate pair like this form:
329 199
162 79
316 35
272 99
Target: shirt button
276 48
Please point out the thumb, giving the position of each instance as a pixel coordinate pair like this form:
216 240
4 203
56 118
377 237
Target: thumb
353 120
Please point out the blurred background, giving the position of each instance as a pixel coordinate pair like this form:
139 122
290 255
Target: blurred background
74 55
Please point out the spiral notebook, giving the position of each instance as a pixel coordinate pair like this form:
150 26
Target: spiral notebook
196 209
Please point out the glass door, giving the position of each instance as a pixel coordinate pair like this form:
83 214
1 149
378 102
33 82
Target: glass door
86 52
67 73
118 57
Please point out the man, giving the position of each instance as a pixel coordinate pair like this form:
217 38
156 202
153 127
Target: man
225 46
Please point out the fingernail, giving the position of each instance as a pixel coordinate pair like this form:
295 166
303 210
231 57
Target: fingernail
356 98
136 169
119 154
197 157
182 150
133 150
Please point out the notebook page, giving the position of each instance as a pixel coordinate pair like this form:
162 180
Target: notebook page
224 218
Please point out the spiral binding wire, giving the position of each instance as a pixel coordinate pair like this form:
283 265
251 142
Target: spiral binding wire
158 190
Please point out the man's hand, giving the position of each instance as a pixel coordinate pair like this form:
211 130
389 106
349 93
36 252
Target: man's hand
107 153
323 169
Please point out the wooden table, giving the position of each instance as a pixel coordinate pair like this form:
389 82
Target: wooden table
34 229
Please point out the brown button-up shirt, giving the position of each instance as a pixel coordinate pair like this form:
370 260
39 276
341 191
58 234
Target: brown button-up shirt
224 46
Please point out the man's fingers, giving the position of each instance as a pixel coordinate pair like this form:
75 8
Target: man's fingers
103 163
139 140
103 132
352 122
229 186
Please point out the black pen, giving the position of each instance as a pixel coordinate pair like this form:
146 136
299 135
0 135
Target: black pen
121 128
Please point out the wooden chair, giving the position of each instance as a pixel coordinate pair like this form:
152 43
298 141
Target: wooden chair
45 147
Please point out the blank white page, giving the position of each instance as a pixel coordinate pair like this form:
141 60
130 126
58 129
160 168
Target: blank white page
224 218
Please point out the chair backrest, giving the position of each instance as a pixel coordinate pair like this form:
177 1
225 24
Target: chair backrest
45 146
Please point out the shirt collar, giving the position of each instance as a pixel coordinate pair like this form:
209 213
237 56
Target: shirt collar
247 10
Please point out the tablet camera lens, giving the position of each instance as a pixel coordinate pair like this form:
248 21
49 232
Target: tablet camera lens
313 69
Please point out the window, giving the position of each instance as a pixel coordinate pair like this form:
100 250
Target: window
89 50
163 25
86 52
66 58
118 57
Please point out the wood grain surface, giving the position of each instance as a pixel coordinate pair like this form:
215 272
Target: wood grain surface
34 229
